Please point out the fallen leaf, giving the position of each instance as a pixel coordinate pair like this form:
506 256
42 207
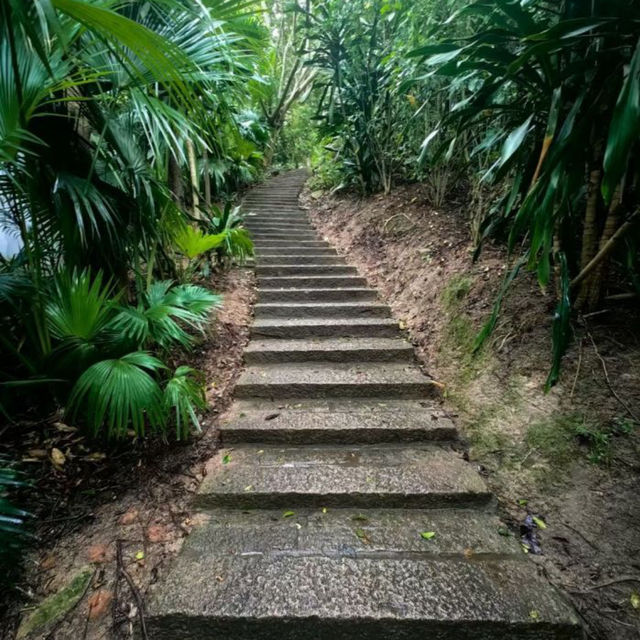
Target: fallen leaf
362 534
468 553
48 562
288 514
61 426
98 553
157 533
540 523
226 459
523 503
99 603
428 535
324 509
37 453
129 517
272 416
140 555
534 615
57 457
635 600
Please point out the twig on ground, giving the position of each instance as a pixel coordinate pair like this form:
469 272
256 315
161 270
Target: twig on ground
609 583
608 381
591 544
575 380
134 590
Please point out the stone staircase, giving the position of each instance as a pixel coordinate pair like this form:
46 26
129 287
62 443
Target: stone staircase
339 508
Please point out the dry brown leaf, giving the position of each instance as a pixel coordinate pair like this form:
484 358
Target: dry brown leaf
157 533
99 603
129 517
57 457
98 553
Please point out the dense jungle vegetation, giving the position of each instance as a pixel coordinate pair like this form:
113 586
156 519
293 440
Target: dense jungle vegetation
127 127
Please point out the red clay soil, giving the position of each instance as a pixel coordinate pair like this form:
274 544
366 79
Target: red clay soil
126 513
570 457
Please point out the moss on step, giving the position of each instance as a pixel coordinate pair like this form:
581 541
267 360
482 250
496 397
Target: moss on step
53 608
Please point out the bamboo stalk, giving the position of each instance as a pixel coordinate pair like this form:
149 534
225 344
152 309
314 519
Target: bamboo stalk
605 250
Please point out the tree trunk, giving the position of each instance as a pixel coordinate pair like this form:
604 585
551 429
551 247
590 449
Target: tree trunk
598 277
207 179
590 231
195 182
175 181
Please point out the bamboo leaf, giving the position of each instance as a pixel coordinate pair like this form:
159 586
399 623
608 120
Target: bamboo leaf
624 130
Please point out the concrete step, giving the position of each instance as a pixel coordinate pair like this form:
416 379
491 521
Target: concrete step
338 294
324 328
309 259
357 476
358 426
328 350
329 379
304 270
312 282
322 310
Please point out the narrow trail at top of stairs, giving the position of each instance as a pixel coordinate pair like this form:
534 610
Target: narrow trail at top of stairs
340 508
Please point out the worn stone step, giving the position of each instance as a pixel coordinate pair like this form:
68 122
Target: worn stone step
268 226
312 282
309 259
337 294
329 379
289 249
324 328
283 208
276 212
288 597
263 227
358 476
289 236
285 218
328 350
322 310
268 243
358 426
305 270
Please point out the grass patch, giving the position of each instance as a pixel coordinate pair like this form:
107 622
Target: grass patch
456 291
459 332
555 439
